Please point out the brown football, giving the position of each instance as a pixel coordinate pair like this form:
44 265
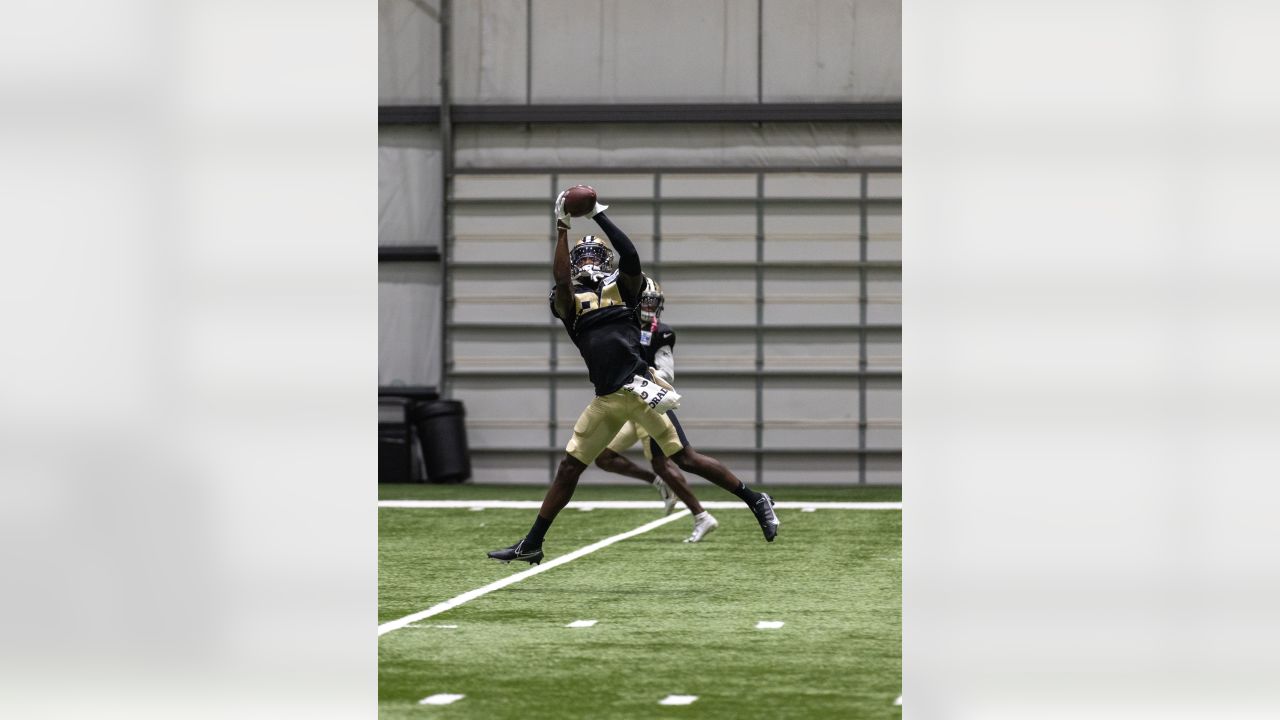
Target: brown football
580 200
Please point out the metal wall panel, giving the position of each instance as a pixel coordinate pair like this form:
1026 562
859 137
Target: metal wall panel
811 282
604 51
489 51
409 52
409 324
818 470
884 233
408 186
832 50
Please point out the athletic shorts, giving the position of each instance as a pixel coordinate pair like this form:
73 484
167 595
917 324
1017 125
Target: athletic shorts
630 434
600 423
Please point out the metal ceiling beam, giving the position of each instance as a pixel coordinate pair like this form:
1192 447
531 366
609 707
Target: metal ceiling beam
644 113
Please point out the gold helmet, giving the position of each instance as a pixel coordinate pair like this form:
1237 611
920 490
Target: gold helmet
591 259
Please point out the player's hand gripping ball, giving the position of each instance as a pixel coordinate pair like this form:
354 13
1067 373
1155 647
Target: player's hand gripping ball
579 200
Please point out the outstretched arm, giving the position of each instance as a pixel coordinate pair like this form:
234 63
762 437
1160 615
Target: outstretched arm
630 280
562 273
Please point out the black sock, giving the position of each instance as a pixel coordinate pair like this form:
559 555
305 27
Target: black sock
748 495
536 533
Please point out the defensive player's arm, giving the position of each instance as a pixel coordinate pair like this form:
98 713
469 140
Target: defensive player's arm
664 363
630 279
563 273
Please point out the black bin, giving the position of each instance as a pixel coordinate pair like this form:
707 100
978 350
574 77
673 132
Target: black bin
443 437
395 456
395 442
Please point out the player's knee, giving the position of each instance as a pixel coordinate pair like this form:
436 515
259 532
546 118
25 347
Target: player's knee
570 469
686 459
605 460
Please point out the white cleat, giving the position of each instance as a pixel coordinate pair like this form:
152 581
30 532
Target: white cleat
668 497
702 525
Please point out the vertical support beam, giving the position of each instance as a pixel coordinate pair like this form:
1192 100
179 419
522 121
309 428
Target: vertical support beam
446 189
528 52
759 51
759 424
862 333
656 273
554 362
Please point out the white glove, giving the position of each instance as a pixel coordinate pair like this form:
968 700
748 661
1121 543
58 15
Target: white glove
561 215
599 208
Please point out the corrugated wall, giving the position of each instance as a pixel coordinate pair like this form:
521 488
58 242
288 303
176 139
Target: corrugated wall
644 51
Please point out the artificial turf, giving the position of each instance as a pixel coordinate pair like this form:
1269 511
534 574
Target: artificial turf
634 491
674 618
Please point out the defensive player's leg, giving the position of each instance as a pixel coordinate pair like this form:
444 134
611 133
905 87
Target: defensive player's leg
666 430
664 468
612 460
703 522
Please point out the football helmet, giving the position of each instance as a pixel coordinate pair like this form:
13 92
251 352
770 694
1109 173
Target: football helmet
591 259
651 301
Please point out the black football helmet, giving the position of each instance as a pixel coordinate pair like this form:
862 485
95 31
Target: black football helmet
651 301
591 260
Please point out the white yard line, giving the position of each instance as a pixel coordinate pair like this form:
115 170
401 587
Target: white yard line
628 504
389 626
441 699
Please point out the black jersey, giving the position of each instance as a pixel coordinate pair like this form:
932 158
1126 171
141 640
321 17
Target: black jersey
651 340
604 329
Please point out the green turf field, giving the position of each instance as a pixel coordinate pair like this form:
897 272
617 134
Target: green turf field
673 618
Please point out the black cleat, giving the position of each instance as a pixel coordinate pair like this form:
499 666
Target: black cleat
517 552
763 510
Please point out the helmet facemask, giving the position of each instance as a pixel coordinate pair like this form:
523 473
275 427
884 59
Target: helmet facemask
591 260
650 306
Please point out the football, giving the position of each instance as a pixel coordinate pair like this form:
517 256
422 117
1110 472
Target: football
579 200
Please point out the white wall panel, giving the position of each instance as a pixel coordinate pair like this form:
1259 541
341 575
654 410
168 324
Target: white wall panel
489 51
500 349
832 50
510 469
703 185
658 50
812 470
710 350
884 296
882 469
718 233
884 233
408 52
409 323
884 398
811 411
812 185
719 297
884 349
408 186
810 296
501 398
503 186
822 350
882 435
805 232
